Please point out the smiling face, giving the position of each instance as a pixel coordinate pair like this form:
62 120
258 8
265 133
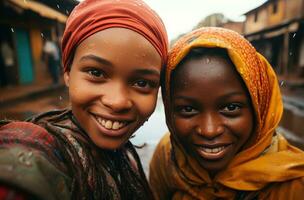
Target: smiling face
211 110
113 85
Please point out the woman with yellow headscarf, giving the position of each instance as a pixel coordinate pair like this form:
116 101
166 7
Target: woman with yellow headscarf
223 104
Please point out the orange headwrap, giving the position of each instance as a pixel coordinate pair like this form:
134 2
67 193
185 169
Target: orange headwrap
92 16
269 159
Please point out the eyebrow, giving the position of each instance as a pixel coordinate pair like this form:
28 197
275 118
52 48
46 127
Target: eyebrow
236 93
96 58
147 72
108 63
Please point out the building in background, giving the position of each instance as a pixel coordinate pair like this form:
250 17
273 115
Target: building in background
23 26
276 29
219 20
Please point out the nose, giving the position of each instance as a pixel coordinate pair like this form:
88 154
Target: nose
117 98
210 126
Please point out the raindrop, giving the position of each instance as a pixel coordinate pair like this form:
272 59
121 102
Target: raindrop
21 157
28 163
208 60
58 6
25 159
12 29
282 83
42 35
294 35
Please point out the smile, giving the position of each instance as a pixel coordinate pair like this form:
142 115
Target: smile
111 128
213 150
213 153
109 124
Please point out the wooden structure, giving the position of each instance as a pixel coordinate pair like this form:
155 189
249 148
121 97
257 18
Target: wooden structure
276 29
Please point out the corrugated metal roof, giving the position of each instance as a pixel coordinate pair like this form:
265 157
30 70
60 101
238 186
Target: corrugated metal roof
41 9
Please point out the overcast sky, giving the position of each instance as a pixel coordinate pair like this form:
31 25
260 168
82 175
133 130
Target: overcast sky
181 16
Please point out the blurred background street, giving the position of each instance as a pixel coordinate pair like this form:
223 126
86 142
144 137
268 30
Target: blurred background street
31 30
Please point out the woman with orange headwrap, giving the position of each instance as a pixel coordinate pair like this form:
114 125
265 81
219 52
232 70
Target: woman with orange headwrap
223 104
113 52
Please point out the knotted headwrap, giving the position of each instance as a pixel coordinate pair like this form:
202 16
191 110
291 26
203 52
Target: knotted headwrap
92 16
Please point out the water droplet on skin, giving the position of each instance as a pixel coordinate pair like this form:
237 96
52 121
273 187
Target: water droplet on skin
12 29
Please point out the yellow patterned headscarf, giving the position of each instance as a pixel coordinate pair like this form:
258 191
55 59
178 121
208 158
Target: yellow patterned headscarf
268 159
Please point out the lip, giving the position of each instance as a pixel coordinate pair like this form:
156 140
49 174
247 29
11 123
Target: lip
112 133
112 118
213 155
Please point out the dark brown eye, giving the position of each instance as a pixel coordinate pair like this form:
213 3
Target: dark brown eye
232 107
187 109
96 73
142 83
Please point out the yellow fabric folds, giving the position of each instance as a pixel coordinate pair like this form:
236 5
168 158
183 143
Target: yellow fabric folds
269 165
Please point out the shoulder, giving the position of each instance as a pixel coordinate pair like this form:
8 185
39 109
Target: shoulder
161 167
161 159
163 149
292 189
15 132
28 160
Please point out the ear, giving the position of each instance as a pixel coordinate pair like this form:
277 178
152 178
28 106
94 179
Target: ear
66 77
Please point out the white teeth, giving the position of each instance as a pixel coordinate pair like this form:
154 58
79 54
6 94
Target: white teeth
108 124
213 150
115 125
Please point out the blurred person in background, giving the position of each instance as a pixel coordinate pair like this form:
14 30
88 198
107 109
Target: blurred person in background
6 60
51 57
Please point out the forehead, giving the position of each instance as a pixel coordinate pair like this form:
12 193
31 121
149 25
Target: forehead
207 71
120 45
